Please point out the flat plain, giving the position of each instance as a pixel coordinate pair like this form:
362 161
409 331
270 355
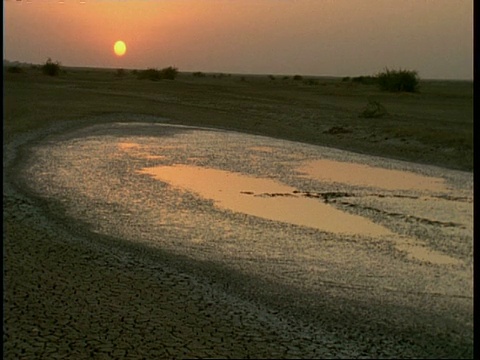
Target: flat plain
69 292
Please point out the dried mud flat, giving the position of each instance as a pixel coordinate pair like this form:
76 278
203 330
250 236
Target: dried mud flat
111 263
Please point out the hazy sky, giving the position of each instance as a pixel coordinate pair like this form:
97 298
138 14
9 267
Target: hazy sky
306 37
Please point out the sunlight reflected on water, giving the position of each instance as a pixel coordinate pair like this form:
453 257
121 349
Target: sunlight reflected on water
364 175
263 198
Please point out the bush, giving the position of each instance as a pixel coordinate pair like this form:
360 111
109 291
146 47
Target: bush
398 80
153 74
297 77
198 74
169 73
51 68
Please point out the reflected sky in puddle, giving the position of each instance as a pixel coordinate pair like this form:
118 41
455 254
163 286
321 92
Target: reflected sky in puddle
264 198
364 175
273 200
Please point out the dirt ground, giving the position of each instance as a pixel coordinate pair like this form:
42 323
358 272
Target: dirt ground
82 278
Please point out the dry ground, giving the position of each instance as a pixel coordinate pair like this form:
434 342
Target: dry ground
68 294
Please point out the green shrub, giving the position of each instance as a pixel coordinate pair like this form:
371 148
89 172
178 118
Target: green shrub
398 80
346 78
51 68
198 74
297 77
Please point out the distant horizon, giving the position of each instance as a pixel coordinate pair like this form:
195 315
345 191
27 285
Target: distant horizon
24 63
340 38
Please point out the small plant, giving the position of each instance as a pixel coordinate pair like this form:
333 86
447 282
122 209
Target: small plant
51 68
297 77
398 80
346 78
373 110
198 74
271 77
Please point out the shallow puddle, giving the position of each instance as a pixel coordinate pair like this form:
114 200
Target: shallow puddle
423 253
263 198
364 175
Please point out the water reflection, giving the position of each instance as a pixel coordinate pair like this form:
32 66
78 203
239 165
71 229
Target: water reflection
364 175
263 198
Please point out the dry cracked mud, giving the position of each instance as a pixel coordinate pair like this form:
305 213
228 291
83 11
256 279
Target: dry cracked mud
111 263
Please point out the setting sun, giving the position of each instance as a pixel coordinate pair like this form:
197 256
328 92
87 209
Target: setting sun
120 48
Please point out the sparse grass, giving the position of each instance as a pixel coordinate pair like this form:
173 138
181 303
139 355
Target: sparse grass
439 117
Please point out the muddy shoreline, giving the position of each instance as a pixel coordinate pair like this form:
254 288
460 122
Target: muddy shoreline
71 291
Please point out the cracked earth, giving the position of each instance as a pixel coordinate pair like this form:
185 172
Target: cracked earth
127 265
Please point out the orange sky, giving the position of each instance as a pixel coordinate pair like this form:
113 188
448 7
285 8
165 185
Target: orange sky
307 37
